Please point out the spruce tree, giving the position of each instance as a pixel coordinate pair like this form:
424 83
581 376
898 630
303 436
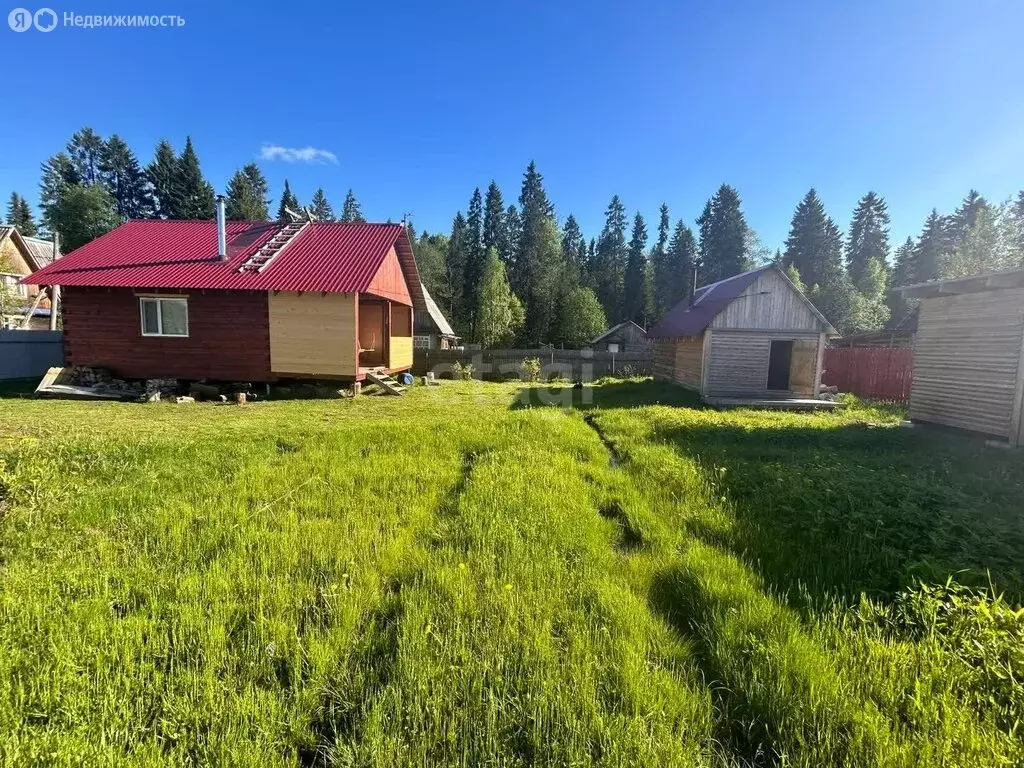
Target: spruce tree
508 246
19 215
289 202
123 177
537 269
351 211
162 175
965 217
659 265
815 249
455 269
932 249
677 278
475 255
610 260
1015 220
247 195
868 240
495 234
58 173
86 151
430 259
807 247
574 246
902 274
636 268
196 201
319 206
723 236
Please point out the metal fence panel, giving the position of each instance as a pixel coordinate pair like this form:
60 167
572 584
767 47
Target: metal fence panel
27 354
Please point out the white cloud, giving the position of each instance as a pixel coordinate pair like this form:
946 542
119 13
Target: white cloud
297 154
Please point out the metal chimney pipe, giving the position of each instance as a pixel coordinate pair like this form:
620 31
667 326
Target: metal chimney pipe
222 231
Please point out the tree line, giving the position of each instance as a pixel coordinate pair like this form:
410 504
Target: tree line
94 184
512 274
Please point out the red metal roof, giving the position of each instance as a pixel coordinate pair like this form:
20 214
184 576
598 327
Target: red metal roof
326 256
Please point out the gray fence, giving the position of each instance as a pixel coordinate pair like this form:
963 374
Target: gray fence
574 364
27 354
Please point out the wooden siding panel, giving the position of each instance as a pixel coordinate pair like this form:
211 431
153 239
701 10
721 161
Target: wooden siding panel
312 333
769 303
401 337
389 282
228 335
679 360
966 357
738 363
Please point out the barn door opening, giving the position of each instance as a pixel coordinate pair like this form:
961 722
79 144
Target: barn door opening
779 360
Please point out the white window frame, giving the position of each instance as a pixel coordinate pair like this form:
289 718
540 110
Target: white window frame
421 342
159 300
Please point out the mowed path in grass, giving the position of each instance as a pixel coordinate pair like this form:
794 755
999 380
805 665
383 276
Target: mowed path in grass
468 576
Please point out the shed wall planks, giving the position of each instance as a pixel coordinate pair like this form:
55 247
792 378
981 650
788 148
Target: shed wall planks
679 360
966 360
312 333
738 362
769 303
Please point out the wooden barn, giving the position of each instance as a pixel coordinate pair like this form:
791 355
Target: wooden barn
240 300
625 338
754 335
969 354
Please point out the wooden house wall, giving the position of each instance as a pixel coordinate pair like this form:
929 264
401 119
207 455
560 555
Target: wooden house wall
312 334
228 335
769 303
12 261
738 362
389 282
967 361
400 354
679 360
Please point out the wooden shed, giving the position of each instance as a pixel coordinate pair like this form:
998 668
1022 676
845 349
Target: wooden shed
625 338
754 335
969 354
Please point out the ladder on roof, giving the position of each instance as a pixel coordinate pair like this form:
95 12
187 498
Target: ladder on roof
270 249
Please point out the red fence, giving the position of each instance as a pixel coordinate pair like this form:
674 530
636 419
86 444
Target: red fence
878 373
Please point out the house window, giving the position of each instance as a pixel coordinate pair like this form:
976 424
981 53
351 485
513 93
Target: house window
421 342
13 283
164 317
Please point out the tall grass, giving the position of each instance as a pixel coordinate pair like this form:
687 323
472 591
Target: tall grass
458 578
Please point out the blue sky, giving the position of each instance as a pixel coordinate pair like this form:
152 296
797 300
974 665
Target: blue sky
655 101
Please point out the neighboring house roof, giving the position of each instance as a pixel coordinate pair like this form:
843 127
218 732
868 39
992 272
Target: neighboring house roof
42 251
329 257
691 318
38 253
1011 278
443 327
616 328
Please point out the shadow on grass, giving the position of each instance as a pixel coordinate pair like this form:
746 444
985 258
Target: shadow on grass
18 388
628 393
863 509
740 723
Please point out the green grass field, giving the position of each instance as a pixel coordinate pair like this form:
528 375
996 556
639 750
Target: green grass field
469 576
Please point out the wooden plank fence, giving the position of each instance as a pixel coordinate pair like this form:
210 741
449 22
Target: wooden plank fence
876 373
499 364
